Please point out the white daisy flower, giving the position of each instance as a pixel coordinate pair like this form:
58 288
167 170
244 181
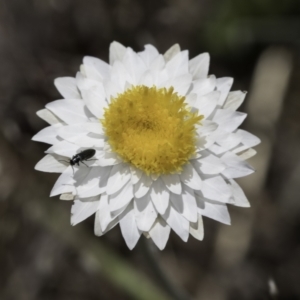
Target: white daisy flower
166 143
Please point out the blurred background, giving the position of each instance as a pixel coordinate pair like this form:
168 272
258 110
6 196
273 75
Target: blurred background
258 257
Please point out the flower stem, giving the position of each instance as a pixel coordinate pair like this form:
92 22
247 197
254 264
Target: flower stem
162 278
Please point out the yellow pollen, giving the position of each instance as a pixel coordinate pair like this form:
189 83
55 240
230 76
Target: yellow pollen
151 129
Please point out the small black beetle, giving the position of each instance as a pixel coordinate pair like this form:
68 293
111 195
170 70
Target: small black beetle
80 157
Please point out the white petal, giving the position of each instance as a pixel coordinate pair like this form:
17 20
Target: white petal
160 77
203 143
119 176
134 65
142 187
94 99
247 139
146 79
196 165
235 166
91 72
63 148
206 127
82 70
195 155
48 116
50 163
91 192
191 99
90 182
155 176
129 229
204 86
111 89
145 213
229 140
177 222
185 204
211 164
116 52
107 147
177 202
97 187
84 141
120 76
149 55
107 159
104 213
198 66
229 120
171 52
189 204
197 229
83 209
247 154
64 183
172 182
70 111
97 226
159 233
215 149
158 64
71 130
238 195
81 175
160 196
99 65
206 104
98 230
85 83
136 174
224 85
80 80
215 188
94 127
234 100
66 197
121 198
215 211
190 177
67 87
105 217
181 84
217 135
146 234
178 65
48 135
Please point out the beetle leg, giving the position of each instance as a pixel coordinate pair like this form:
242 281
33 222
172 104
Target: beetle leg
85 164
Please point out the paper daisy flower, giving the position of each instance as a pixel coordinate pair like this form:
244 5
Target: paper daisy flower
165 140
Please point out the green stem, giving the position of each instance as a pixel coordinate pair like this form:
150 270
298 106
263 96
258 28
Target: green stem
162 278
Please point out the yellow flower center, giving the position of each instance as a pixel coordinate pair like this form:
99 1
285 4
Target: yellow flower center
151 129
